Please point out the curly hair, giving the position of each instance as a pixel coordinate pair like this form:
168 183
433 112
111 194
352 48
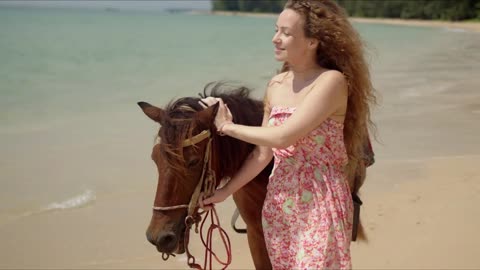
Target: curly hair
341 48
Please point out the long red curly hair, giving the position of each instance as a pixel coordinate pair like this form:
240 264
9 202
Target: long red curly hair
341 48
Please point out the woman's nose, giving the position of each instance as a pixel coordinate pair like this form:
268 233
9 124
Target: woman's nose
275 39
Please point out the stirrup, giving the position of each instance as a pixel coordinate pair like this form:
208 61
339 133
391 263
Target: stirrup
235 216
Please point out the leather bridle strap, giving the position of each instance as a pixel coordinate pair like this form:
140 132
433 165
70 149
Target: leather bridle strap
206 174
188 142
197 138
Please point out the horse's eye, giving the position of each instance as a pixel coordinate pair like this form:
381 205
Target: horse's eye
193 162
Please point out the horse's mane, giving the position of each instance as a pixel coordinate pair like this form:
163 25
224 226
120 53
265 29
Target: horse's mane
179 123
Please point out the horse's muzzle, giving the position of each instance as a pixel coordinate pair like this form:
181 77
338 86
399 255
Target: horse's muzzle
165 242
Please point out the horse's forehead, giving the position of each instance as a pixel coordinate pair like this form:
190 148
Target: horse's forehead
178 125
169 134
181 111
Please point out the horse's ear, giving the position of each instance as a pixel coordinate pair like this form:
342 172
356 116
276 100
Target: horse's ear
154 113
207 116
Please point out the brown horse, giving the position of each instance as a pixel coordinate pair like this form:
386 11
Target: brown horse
180 167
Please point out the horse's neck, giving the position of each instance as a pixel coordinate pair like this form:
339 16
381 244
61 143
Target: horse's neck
229 155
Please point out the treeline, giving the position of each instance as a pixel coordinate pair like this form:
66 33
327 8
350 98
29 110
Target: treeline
264 6
453 10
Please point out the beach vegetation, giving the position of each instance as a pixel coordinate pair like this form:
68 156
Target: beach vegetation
449 10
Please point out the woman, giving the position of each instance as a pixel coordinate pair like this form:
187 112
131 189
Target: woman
316 112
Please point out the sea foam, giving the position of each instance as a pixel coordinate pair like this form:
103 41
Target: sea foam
87 197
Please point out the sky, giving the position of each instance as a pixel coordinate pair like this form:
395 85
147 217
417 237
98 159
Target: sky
130 4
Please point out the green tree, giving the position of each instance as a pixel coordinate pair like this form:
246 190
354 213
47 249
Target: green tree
406 9
249 5
477 6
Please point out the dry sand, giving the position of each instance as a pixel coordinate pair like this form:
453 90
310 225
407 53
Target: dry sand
426 218
417 214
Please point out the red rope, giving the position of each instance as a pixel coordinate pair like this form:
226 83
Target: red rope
215 225
207 243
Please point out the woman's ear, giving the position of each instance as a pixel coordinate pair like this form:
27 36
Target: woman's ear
313 43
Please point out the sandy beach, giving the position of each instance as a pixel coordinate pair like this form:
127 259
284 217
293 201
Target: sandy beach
418 214
420 197
427 218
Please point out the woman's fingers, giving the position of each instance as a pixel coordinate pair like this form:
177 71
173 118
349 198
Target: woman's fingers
203 203
229 113
209 101
200 200
202 104
223 115
207 201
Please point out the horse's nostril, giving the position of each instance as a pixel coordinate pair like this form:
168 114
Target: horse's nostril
167 242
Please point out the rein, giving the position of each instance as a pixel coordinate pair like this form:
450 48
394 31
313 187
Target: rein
209 183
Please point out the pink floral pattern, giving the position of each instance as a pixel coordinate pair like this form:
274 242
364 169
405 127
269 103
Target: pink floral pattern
308 212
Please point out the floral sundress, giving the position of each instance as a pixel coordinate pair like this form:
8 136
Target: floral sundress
308 211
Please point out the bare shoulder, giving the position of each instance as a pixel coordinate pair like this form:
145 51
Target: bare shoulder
334 76
275 83
332 80
278 79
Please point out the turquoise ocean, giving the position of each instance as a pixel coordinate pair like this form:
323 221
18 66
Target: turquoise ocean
71 134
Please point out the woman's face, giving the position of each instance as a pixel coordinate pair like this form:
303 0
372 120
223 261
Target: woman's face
291 44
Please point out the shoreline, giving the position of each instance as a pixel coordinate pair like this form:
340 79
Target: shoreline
468 26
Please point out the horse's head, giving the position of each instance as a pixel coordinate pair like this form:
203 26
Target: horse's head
179 157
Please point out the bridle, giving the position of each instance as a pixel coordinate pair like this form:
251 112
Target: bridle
209 183
205 134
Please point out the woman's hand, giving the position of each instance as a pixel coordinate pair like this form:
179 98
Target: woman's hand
208 102
223 117
218 196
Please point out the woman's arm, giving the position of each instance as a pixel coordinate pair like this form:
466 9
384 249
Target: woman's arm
322 101
253 165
